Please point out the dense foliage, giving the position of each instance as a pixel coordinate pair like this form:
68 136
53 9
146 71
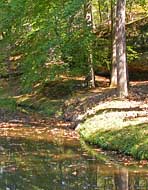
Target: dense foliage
41 40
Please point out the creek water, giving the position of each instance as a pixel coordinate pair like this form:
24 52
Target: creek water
39 159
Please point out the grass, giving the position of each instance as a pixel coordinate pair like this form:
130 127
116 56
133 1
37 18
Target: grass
27 103
38 103
46 100
49 99
8 103
111 131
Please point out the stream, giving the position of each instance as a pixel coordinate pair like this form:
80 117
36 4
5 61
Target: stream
55 159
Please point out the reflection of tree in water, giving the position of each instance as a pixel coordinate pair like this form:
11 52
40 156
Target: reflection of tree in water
122 180
43 166
140 182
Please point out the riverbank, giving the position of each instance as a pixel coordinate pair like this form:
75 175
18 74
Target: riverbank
97 114
120 125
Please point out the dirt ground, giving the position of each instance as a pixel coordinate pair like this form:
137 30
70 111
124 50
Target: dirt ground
86 102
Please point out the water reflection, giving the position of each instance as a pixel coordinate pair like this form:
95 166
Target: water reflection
40 165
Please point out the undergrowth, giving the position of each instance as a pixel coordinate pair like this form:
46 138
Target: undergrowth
130 140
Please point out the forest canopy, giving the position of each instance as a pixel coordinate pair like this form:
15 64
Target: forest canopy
43 39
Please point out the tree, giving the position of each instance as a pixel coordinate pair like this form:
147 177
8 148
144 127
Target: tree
122 77
113 45
41 34
89 20
54 38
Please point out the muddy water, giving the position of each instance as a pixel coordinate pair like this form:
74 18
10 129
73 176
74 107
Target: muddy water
54 159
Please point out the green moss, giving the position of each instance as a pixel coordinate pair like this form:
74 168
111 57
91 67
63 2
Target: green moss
8 103
131 140
39 104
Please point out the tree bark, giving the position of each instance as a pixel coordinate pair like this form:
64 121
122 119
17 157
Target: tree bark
100 14
122 77
89 20
92 71
113 45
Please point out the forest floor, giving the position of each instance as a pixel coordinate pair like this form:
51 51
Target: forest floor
92 111
118 124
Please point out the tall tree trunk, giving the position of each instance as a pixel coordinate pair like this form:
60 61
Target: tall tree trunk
113 45
100 14
108 16
89 19
122 77
92 71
